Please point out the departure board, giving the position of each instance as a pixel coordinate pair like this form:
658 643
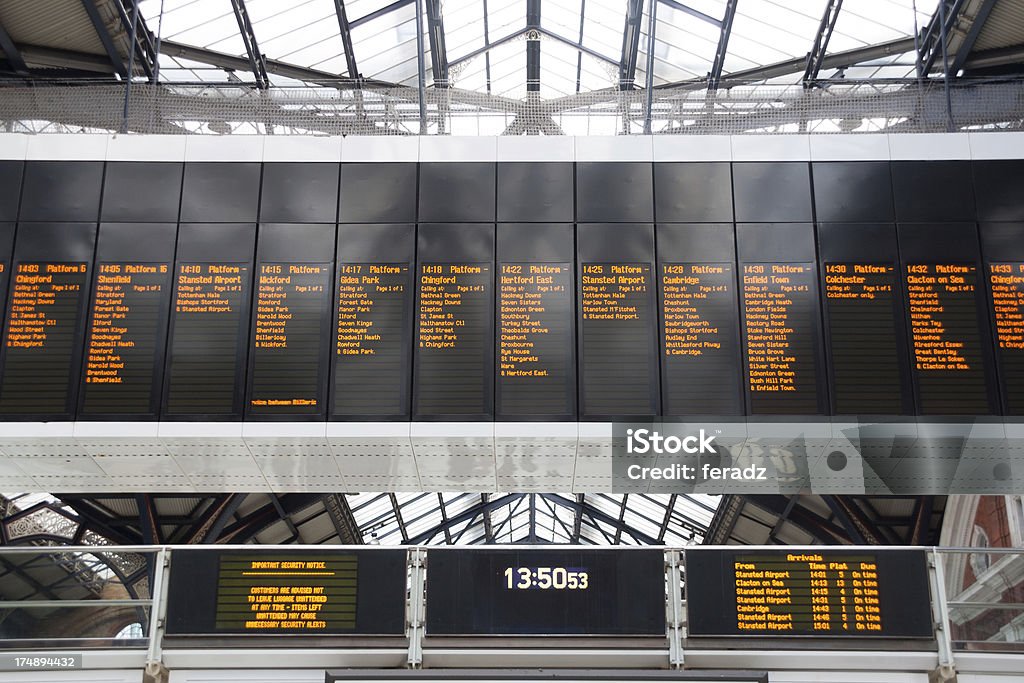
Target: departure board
780 318
453 345
546 592
287 593
371 341
124 336
1006 288
808 593
946 339
535 338
619 371
209 319
699 339
41 337
289 332
861 300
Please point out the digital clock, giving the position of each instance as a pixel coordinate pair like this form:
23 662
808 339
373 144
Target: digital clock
545 591
544 578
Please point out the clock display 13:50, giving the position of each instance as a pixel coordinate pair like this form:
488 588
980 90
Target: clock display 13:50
544 578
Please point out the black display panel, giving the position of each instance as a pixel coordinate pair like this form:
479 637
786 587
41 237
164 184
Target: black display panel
535 323
700 345
945 305
291 323
206 357
831 593
46 312
781 324
915 198
11 173
617 318
124 340
865 330
454 360
126 181
377 193
535 192
631 200
220 192
373 327
316 592
299 193
692 192
459 192
772 191
61 191
546 592
852 191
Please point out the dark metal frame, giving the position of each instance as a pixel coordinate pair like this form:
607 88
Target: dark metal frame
104 35
257 60
344 28
820 48
12 53
715 75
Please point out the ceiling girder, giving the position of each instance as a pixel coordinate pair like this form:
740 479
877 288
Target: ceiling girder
532 47
399 4
963 51
103 33
820 48
257 61
344 28
935 36
630 43
145 50
438 51
674 4
715 75
12 53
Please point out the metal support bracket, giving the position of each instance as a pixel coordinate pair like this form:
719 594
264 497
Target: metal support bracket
155 669
946 670
414 610
676 620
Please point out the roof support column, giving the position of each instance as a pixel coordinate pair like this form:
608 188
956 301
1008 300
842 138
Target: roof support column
652 22
421 68
532 46
12 53
104 35
630 44
257 62
715 76
817 54
346 38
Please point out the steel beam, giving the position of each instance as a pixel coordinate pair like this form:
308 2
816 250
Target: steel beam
630 43
935 36
856 523
12 53
279 509
692 12
820 48
715 75
578 46
817 526
832 61
487 47
465 516
438 51
104 35
135 28
257 61
346 38
421 69
579 53
652 25
963 51
598 515
399 4
532 47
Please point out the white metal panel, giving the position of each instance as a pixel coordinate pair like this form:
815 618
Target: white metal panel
146 147
458 148
929 146
75 676
692 148
67 147
846 677
535 148
13 146
297 148
771 148
380 148
865 147
224 148
615 148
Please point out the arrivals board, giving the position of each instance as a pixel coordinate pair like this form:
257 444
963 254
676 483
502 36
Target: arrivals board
370 344
454 304
545 592
535 337
834 593
237 592
945 337
1006 290
780 318
125 339
861 303
289 335
41 337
